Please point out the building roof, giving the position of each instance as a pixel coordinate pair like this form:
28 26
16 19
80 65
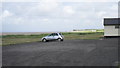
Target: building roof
112 21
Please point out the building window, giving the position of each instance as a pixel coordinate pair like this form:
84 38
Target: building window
117 26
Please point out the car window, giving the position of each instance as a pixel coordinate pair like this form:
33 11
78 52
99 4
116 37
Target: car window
53 34
60 34
56 34
50 35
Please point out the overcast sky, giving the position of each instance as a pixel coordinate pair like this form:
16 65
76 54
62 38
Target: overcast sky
52 15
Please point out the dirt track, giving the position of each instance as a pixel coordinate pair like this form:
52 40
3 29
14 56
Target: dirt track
67 53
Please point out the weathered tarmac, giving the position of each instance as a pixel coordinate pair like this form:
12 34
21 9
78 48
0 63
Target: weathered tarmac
102 52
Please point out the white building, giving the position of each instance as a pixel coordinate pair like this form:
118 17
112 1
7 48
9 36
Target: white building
111 27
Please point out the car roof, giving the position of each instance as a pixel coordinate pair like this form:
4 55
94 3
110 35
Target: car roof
56 32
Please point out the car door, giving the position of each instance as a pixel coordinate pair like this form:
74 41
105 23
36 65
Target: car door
50 37
55 36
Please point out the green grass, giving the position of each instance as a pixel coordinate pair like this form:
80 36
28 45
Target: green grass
16 39
8 41
24 36
92 35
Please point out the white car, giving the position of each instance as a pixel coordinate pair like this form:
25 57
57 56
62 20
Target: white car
53 36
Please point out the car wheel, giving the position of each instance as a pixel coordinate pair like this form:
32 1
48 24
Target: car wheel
59 39
44 40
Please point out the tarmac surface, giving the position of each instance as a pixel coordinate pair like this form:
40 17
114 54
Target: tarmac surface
102 52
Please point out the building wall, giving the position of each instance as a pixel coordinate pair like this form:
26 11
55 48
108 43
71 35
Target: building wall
110 30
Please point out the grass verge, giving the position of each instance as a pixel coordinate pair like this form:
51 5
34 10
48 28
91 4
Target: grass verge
16 39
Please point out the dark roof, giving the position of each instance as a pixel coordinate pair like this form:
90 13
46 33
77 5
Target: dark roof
112 21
